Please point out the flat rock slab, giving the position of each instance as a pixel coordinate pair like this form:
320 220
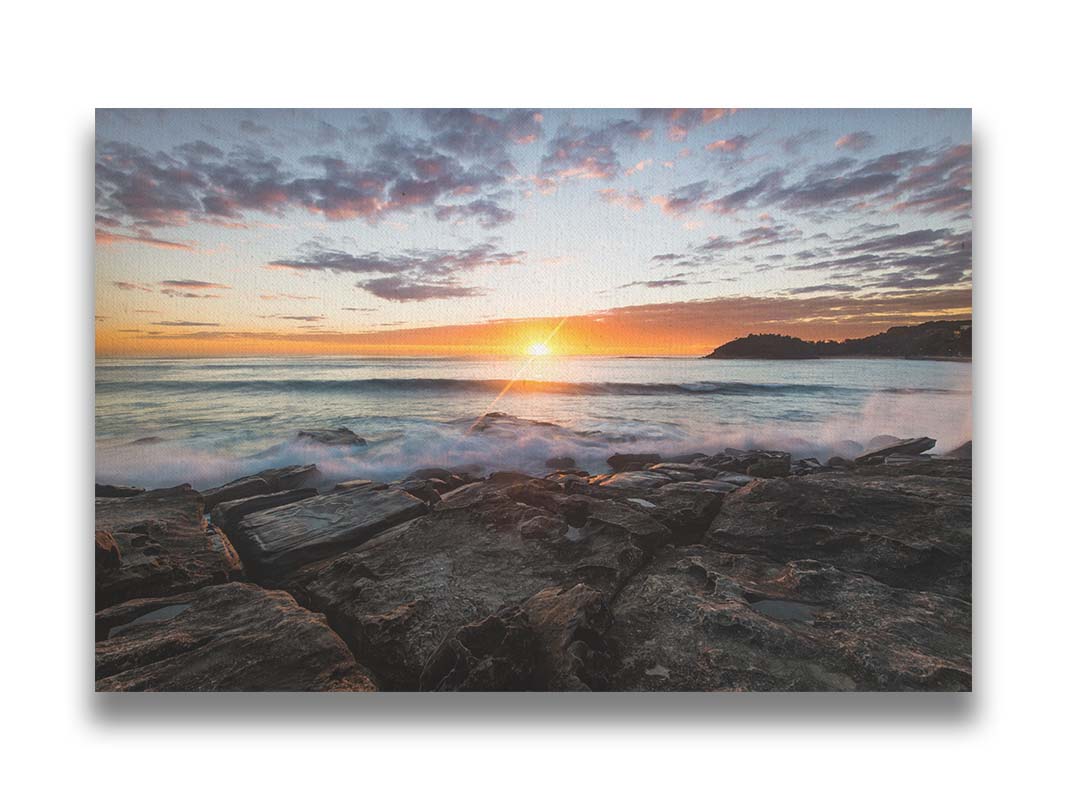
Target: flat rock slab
280 539
269 481
231 638
697 619
228 514
163 544
904 447
334 437
905 525
484 547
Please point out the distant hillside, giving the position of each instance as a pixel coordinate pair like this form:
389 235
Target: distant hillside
942 339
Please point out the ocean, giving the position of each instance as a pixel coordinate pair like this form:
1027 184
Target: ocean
161 422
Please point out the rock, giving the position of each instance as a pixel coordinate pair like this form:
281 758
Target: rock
356 483
961 452
767 463
560 462
144 440
552 642
428 491
906 526
333 437
165 546
235 637
908 447
281 539
395 598
634 481
228 514
805 466
698 619
108 490
690 470
448 479
625 462
685 458
108 558
771 466
269 481
838 461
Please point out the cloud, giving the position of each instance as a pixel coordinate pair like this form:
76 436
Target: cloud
477 134
411 275
109 237
588 153
185 324
128 286
191 284
285 296
197 182
680 121
734 144
929 179
855 141
630 200
295 317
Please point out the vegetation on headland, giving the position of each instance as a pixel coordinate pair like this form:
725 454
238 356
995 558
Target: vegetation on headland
941 339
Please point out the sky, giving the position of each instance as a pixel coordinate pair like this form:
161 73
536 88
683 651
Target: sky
473 232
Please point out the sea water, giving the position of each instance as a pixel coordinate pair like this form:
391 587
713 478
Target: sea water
160 422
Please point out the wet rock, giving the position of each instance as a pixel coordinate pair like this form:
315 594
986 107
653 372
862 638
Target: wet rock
281 539
428 491
775 465
697 619
395 598
907 526
560 462
449 479
838 461
233 637
165 546
626 462
961 452
805 466
108 558
108 490
333 437
908 447
356 483
685 458
644 480
228 514
269 481
552 642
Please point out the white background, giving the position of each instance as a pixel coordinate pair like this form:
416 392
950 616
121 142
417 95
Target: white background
1006 62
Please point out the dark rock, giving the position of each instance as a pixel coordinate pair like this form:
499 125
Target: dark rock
228 514
961 452
281 539
396 598
334 437
428 491
108 490
554 641
907 526
697 619
644 480
685 458
560 462
449 479
626 462
772 466
269 481
234 637
805 466
838 461
907 447
165 546
108 558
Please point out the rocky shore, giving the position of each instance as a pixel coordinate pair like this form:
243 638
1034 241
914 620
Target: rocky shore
739 570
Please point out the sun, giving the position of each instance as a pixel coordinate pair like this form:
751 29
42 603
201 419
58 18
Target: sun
538 349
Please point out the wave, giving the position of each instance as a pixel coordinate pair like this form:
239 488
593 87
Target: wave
459 386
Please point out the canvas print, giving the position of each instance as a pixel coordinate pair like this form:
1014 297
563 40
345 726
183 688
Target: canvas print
533 400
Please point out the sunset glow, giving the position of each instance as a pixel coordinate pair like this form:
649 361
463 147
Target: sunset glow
452 232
